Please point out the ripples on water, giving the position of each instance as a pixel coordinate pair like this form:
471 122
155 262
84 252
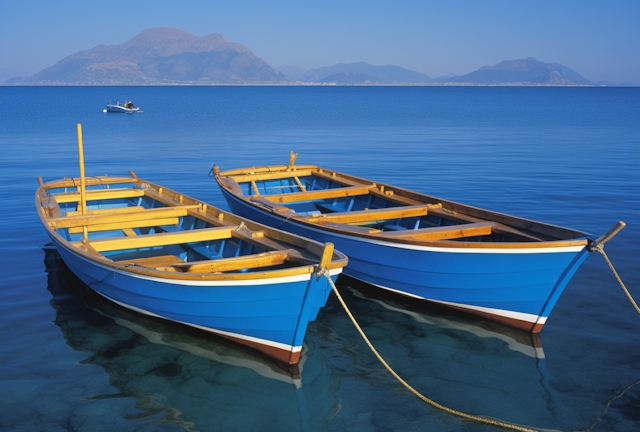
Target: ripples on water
568 156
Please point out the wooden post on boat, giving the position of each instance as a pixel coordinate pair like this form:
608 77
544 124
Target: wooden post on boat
327 254
81 156
292 159
83 201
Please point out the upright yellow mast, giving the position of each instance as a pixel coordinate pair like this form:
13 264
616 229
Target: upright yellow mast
83 201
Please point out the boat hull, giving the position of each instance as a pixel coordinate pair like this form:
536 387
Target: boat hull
517 286
120 109
270 315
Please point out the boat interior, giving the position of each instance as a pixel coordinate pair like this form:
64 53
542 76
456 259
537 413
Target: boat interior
360 207
128 221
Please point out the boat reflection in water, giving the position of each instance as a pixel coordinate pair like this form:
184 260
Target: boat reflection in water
443 317
192 381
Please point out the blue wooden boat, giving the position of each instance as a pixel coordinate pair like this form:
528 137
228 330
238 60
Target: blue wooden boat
77 309
164 254
498 266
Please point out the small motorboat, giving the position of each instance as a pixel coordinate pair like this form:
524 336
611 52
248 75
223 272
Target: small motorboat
502 267
127 107
164 254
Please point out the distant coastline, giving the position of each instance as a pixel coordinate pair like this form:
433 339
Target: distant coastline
166 56
302 84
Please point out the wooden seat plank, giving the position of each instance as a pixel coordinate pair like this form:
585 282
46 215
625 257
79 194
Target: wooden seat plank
265 259
156 213
161 239
322 194
100 194
242 178
373 214
498 228
126 225
442 233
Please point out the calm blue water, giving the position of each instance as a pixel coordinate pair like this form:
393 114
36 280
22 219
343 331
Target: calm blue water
567 156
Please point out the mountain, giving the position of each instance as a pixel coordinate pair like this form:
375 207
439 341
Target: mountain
527 70
382 74
350 78
161 55
293 72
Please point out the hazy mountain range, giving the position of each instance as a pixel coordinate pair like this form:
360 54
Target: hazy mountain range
166 55
161 55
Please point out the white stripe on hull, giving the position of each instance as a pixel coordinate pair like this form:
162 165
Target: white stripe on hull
531 318
235 335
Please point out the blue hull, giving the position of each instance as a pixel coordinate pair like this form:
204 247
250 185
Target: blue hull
270 315
517 286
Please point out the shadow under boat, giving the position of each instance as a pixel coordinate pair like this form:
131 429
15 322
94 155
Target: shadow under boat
445 317
137 349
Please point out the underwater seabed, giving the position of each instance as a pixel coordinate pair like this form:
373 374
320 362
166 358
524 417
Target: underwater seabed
181 377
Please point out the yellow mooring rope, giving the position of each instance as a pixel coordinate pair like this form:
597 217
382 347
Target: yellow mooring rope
403 382
600 249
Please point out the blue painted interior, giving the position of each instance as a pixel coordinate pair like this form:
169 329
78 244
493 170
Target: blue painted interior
188 252
353 203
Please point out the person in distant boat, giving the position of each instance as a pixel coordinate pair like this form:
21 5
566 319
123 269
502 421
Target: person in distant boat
128 105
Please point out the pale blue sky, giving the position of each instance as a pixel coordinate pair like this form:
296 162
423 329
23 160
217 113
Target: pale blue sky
598 39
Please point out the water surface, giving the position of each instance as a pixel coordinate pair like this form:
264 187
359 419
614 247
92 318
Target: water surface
567 156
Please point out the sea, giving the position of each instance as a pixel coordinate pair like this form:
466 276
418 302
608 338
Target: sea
567 156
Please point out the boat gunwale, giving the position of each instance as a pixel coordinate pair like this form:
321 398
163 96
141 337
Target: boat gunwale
338 260
225 180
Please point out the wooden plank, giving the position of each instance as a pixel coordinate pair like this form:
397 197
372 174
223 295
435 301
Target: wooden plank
314 195
255 188
103 194
300 185
270 176
442 233
108 210
162 239
156 213
341 180
126 225
498 228
327 253
372 214
85 246
267 169
129 232
265 259
153 262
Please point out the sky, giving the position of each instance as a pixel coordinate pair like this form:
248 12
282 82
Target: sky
600 40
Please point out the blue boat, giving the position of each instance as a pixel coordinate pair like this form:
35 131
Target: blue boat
502 267
164 254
